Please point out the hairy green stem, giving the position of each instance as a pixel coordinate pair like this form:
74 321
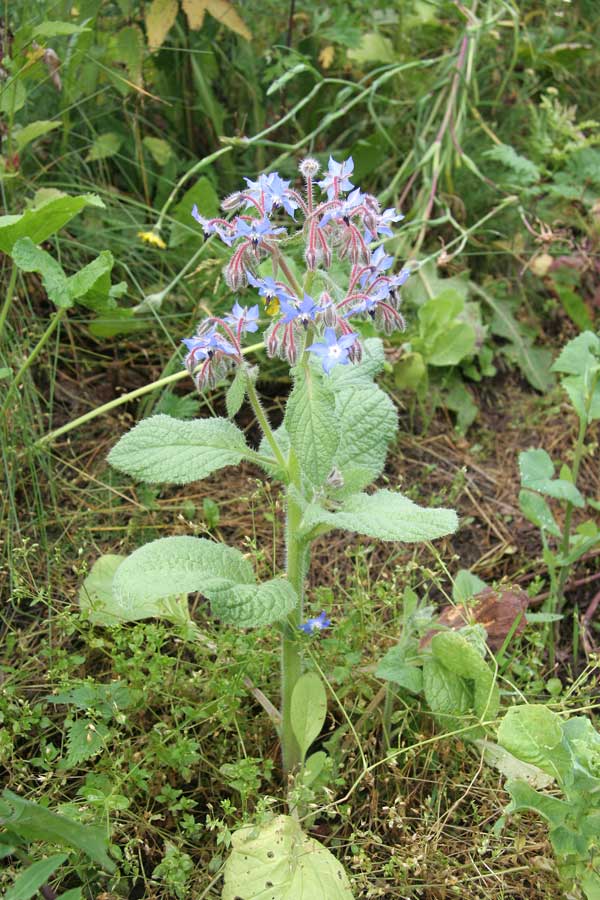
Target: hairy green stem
291 658
261 417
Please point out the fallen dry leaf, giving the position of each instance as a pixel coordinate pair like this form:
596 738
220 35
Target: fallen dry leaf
495 610
221 10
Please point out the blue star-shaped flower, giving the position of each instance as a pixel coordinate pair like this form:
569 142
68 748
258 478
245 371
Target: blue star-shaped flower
384 222
248 317
335 350
271 192
305 311
209 227
317 624
345 210
256 230
269 288
337 178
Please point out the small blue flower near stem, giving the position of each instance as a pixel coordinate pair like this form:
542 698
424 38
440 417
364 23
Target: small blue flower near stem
337 178
383 223
243 318
317 624
269 288
335 351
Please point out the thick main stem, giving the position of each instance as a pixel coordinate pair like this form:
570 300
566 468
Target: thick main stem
291 659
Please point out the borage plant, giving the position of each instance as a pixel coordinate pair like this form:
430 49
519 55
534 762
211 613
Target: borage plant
331 445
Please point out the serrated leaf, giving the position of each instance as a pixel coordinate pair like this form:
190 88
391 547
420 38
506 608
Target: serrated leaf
28 883
373 48
105 146
30 258
43 220
85 739
384 515
308 709
180 565
296 866
159 16
161 449
525 172
127 48
538 512
534 734
221 10
36 823
537 469
32 132
236 393
310 424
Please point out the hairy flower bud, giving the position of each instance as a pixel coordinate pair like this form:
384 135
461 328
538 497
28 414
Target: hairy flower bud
233 201
309 167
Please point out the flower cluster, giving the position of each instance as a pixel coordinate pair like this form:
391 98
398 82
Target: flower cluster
343 224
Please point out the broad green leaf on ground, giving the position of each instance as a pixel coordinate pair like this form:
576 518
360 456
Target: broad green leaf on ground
180 565
97 600
30 258
160 15
221 10
31 132
394 667
367 422
511 767
462 658
524 797
28 882
161 449
105 146
443 339
279 861
449 697
308 709
39 222
311 425
537 471
534 734
538 512
384 515
36 823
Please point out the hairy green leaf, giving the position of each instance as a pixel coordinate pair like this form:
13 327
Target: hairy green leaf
538 512
534 734
179 565
163 449
384 515
30 258
310 424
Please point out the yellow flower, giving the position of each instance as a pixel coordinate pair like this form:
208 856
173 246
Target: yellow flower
153 238
272 306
